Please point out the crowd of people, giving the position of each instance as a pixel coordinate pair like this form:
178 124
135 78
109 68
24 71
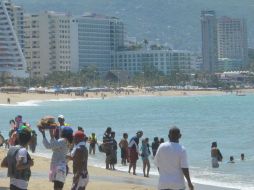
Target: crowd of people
67 145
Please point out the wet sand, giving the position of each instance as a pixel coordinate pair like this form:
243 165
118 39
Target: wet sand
100 179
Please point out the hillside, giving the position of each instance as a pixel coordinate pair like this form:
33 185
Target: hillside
173 21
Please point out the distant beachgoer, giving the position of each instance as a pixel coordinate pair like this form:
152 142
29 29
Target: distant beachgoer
133 151
79 155
108 145
18 162
12 124
93 142
33 141
80 129
145 153
162 140
216 155
155 145
242 157
171 160
148 145
18 121
61 125
113 160
8 100
60 148
123 144
231 160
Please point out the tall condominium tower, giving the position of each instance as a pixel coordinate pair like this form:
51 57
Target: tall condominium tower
94 40
209 41
47 43
232 40
12 61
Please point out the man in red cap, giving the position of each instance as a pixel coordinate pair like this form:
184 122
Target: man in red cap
79 155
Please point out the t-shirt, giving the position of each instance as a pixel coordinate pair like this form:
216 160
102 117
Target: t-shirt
170 159
134 143
22 184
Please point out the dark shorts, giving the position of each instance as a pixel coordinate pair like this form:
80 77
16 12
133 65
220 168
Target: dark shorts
92 145
12 187
133 156
123 153
58 185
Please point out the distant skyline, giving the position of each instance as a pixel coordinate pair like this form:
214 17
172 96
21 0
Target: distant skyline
176 22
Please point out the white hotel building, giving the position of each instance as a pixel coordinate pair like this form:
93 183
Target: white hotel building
12 61
166 61
47 43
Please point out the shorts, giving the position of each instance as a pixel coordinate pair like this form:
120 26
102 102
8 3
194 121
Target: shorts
133 156
58 185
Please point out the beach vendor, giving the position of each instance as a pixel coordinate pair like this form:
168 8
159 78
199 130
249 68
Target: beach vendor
216 155
60 148
61 124
93 141
18 162
133 151
79 155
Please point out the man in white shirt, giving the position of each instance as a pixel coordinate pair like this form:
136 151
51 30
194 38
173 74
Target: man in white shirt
171 160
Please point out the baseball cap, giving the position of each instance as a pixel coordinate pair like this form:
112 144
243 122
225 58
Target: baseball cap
60 116
79 135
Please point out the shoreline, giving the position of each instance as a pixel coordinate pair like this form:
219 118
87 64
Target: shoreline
99 178
19 99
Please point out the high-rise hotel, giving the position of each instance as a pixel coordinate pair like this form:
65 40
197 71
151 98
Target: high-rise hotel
224 43
209 41
12 61
47 43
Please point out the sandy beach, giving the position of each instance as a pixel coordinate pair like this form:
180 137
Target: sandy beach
100 179
23 97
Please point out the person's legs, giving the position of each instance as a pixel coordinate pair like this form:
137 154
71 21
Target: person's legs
130 166
144 168
134 168
148 168
90 149
94 149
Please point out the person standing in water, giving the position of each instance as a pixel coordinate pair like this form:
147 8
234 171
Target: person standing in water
124 149
145 153
155 145
93 142
216 155
134 151
33 141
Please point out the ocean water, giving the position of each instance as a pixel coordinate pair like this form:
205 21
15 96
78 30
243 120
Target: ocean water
228 119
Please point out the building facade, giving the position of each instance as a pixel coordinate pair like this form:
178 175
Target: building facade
94 41
47 43
232 41
12 61
209 41
165 61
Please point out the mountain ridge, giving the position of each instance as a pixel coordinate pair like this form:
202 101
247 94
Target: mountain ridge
175 22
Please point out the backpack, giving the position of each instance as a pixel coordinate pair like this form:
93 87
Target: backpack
12 162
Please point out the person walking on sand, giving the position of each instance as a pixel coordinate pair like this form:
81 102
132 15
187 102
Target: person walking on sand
133 151
60 148
124 149
171 160
145 157
79 155
216 155
18 162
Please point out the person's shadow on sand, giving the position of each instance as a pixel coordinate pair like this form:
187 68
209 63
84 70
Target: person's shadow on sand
4 188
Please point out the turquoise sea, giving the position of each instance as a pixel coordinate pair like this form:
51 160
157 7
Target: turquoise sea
228 119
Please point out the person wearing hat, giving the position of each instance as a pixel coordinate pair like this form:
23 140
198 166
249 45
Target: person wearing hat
60 148
134 151
79 155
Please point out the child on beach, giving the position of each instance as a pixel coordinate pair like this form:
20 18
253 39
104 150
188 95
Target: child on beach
60 148
18 162
124 148
145 157
79 155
